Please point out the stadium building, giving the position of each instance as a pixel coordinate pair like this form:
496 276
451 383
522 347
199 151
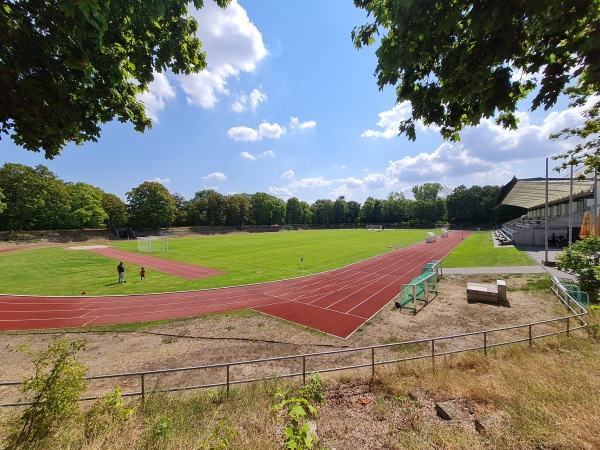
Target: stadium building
559 210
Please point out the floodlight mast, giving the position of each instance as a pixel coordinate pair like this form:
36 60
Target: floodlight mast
546 220
571 207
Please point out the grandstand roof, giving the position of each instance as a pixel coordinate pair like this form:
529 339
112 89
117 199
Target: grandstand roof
531 192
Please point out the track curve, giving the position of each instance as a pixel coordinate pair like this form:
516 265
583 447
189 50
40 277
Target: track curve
335 302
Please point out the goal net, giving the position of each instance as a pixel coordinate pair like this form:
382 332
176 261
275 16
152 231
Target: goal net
374 227
153 244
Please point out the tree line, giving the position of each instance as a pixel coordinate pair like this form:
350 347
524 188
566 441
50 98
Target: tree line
34 198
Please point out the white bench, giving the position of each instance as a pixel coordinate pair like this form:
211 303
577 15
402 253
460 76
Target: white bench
478 292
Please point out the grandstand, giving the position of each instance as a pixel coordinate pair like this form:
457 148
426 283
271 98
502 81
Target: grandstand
567 200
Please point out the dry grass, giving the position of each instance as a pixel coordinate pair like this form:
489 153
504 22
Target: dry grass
544 397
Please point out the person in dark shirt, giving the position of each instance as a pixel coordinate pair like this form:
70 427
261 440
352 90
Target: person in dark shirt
121 272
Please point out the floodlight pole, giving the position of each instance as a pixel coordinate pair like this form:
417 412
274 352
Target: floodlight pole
546 220
595 218
571 207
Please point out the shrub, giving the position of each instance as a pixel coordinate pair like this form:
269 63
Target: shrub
54 391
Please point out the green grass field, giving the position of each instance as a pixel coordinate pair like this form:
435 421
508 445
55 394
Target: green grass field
479 251
247 258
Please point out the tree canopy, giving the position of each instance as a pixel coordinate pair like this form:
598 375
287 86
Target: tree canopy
581 258
2 204
151 205
68 66
116 210
460 61
87 210
35 198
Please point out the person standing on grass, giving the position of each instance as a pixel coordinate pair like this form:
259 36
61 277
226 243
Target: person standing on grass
121 272
142 274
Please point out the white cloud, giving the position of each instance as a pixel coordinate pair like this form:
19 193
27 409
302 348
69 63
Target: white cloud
267 154
295 124
243 134
256 98
353 183
283 193
161 180
288 174
263 155
486 154
342 191
216 176
251 101
270 130
518 75
339 166
246 155
159 90
530 141
375 181
311 182
370 182
232 44
447 161
390 120
265 130
238 106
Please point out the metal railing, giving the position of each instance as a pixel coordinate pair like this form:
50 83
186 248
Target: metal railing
368 357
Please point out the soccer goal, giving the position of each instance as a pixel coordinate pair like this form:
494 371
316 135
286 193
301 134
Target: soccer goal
374 227
153 244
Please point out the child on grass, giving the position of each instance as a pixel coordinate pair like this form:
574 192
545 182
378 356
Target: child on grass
142 274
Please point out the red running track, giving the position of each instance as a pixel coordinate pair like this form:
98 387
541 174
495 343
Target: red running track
335 302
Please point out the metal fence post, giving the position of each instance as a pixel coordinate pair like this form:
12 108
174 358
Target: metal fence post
227 366
143 389
433 353
484 343
568 326
304 370
530 336
372 363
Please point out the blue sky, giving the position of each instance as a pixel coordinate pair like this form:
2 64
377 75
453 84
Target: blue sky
289 107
